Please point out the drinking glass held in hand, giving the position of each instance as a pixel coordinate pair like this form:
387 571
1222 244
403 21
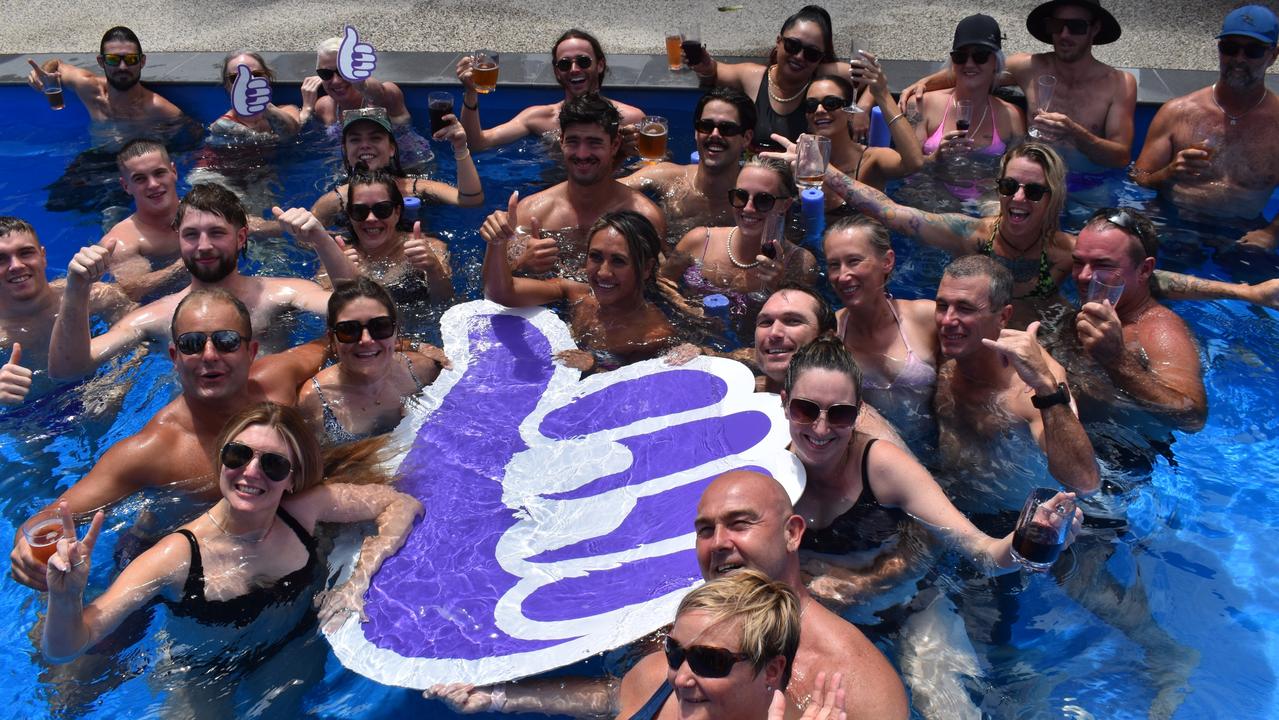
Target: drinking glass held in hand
1044 87
1042 528
812 155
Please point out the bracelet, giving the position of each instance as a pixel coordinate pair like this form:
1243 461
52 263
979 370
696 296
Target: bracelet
896 117
466 153
497 698
468 106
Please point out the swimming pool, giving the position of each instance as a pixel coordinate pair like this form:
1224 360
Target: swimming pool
1198 526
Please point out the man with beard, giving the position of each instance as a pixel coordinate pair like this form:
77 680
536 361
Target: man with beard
1215 152
579 65
692 195
29 304
146 258
213 354
590 139
1091 117
211 238
118 96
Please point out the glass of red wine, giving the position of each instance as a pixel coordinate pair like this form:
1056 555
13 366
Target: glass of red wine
1042 528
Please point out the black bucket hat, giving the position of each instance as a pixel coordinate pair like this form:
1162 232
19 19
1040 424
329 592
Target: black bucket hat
1037 21
980 30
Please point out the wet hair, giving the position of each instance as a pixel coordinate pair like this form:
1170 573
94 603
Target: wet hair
590 109
1000 277
1054 177
371 177
767 610
346 292
577 34
270 74
781 168
119 33
745 107
827 352
826 322
813 14
10 224
642 241
212 198
138 147
288 422
213 296
1140 229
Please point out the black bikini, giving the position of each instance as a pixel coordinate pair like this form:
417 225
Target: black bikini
864 526
244 609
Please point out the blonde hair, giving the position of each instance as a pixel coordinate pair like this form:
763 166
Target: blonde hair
328 45
288 422
768 611
1054 177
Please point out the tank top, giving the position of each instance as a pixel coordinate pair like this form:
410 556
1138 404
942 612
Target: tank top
864 526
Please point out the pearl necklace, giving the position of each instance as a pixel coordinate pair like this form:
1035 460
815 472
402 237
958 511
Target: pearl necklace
772 76
728 245
241 538
1234 119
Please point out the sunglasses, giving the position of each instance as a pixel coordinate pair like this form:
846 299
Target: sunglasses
326 74
1074 26
726 129
114 59
275 466
795 47
565 64
830 102
359 212
1034 191
806 412
350 331
763 201
979 56
224 341
1252 51
704 660
232 77
1126 222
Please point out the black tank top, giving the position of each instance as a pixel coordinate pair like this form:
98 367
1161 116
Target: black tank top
244 609
864 526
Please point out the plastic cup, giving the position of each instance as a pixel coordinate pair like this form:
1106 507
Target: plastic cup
652 138
42 532
674 38
812 156
1042 528
484 70
1105 285
52 84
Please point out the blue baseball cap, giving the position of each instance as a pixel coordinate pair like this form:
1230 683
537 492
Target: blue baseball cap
1252 21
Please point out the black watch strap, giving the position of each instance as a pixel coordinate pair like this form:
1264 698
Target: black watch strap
1060 397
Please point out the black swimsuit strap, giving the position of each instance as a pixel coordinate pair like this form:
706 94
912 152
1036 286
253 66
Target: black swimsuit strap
194 586
866 472
297 528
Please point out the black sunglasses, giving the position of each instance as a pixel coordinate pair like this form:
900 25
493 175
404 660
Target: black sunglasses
1034 191
232 77
704 660
979 56
1075 26
565 64
114 59
806 412
726 129
224 341
381 210
326 74
1123 220
795 47
350 331
1252 51
763 201
275 466
830 102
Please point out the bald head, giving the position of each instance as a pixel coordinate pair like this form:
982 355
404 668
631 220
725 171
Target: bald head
746 520
756 488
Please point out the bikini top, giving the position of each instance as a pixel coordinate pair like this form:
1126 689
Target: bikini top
994 149
655 702
244 609
1044 287
864 526
914 374
334 432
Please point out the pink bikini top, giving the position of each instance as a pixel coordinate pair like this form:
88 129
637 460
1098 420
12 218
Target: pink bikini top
994 149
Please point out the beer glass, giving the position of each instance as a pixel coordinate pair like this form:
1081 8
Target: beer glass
673 40
812 155
484 71
652 139
52 83
439 104
1042 528
692 44
42 532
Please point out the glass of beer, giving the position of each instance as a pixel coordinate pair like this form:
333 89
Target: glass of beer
673 40
1042 528
652 139
484 70
52 83
439 104
812 154
42 532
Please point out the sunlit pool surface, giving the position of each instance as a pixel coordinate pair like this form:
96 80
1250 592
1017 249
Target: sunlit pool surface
1199 524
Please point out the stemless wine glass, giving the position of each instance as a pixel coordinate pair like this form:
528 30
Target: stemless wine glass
1042 528
812 154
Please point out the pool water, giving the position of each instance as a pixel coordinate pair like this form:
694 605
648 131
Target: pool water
1196 548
